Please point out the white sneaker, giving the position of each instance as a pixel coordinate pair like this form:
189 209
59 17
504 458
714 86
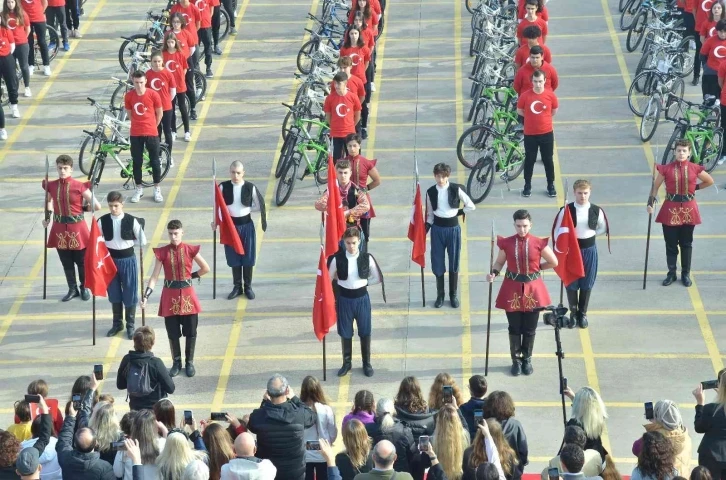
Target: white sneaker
373 87
138 194
27 92
3 134
158 198
721 160
173 136
187 136
46 70
14 111
31 69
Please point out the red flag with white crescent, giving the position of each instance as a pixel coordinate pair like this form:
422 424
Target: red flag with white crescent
324 316
99 265
564 242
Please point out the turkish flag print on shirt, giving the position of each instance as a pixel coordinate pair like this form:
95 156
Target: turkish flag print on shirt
564 240
417 230
18 30
715 49
161 82
99 267
142 109
538 109
324 316
342 110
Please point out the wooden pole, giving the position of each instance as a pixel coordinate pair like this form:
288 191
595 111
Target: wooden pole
489 306
325 370
45 230
647 239
423 289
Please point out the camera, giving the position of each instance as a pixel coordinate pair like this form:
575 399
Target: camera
709 384
479 417
118 446
76 402
556 316
98 372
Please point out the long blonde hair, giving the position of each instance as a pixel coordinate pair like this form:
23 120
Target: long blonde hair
175 457
436 394
357 442
721 400
589 411
449 441
507 455
105 424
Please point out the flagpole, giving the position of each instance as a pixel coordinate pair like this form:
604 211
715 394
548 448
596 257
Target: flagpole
93 301
423 283
322 246
214 232
141 268
489 307
45 229
647 239
562 284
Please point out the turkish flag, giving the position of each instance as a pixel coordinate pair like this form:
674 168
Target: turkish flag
227 231
569 259
324 316
417 230
99 267
334 217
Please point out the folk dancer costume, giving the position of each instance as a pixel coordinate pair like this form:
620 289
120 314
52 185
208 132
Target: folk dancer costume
360 167
69 233
442 212
121 233
241 200
522 291
354 273
590 221
179 304
679 215
356 201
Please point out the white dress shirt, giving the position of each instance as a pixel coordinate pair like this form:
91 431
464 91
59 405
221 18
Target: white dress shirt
443 209
237 209
582 229
353 281
117 243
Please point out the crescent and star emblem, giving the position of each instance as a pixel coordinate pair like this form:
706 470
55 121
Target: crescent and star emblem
706 8
354 58
100 262
534 109
712 32
337 109
560 231
169 64
12 23
156 80
716 50
136 108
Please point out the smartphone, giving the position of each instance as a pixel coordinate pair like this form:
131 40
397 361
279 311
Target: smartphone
32 398
118 446
98 372
76 401
553 473
448 393
479 417
312 445
423 443
563 387
707 385
219 416
649 411
188 417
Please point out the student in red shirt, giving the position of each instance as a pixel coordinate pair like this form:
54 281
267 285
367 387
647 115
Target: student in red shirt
541 10
342 113
538 106
531 34
345 65
216 23
145 111
228 6
162 81
192 21
529 19
362 169
7 70
205 33
713 52
355 48
56 15
176 62
35 10
708 28
18 23
370 16
370 40
523 78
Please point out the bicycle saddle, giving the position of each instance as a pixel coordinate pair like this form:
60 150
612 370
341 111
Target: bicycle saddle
709 100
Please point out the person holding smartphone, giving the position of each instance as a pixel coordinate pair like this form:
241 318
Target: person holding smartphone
666 419
711 422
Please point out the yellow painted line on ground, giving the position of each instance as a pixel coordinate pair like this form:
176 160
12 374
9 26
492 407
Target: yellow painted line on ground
705 327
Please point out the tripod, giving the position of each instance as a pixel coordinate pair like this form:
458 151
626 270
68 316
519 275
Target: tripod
556 318
560 356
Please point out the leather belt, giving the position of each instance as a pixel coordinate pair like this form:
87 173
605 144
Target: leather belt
673 197
521 277
67 219
178 283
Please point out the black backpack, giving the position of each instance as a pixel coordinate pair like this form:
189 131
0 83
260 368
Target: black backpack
138 382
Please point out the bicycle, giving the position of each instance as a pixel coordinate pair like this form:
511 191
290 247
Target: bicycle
506 155
662 80
700 125
90 143
316 52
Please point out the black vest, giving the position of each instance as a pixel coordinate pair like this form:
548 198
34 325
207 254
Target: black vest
454 201
127 227
341 263
592 215
245 194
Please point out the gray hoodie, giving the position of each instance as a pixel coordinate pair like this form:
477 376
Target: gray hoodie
48 459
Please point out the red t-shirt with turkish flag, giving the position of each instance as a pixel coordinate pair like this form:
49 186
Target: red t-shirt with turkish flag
191 16
342 110
369 38
715 49
360 56
354 85
19 34
526 23
522 11
183 37
176 63
205 12
708 29
34 9
6 40
161 82
538 109
56 3
702 9
142 109
523 78
522 55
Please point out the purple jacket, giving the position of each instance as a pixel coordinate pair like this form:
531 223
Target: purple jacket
364 417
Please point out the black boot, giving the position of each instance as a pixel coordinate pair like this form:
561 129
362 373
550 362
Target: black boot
176 365
527 347
686 266
572 300
515 345
191 344
347 356
671 277
247 276
439 291
72 286
453 285
85 293
582 308
130 315
237 279
365 351
118 324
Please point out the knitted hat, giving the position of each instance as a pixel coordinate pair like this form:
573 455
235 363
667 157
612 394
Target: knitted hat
667 414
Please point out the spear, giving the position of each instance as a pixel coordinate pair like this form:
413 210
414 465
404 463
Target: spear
142 239
45 229
214 232
562 285
93 219
489 307
650 223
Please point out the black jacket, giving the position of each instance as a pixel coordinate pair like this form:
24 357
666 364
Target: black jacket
280 435
514 433
77 465
46 425
419 423
159 377
436 472
400 436
467 410
711 422
347 470
594 444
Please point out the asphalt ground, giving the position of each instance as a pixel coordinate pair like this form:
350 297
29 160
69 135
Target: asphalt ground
641 345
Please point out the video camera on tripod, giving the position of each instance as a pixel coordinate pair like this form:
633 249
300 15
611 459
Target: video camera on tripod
556 316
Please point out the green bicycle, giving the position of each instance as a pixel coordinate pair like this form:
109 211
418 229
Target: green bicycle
700 125
506 155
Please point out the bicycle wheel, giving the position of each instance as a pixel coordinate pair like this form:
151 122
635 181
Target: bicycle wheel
638 97
514 166
628 15
670 149
684 61
636 31
135 43
476 88
288 147
471 143
474 104
99 160
481 179
471 5
651 117
677 87
304 61
200 85
321 168
147 178
482 112
223 23
645 63
86 154
712 151
648 42
117 97
51 39
287 180
621 5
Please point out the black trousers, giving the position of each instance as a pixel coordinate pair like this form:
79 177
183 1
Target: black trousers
72 14
365 225
545 144
73 258
205 37
179 325
723 124
364 108
7 71
137 156
709 85
189 78
717 469
2 117
39 28
689 22
56 18
675 237
165 126
316 471
216 19
339 148
228 6
21 55
181 100
523 323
